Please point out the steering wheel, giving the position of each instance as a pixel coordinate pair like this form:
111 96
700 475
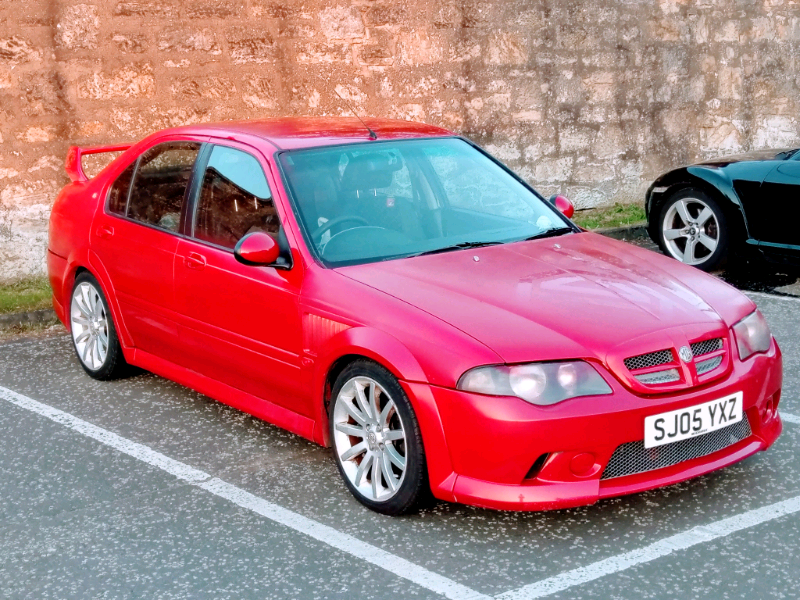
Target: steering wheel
317 235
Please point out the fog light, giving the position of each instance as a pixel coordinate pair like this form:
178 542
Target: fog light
583 465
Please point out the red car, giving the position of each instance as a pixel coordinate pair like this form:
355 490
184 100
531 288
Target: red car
396 293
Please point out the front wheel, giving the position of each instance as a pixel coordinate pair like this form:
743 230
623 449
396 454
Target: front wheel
93 333
377 441
692 228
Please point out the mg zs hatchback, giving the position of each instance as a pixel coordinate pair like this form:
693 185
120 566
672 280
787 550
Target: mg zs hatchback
397 294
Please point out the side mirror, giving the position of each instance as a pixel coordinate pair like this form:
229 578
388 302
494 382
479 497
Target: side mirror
257 249
563 205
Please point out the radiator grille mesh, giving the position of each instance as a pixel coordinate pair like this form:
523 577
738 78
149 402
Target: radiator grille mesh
651 359
668 376
701 348
633 457
704 366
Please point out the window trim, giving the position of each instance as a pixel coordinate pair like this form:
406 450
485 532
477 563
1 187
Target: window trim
193 190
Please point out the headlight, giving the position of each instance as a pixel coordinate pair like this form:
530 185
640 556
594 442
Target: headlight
538 383
752 335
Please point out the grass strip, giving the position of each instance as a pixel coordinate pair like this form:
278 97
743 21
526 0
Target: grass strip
25 295
617 215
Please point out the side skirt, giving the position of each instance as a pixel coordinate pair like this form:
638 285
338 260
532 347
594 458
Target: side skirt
262 409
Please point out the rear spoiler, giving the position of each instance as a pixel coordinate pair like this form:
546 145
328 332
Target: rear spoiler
75 154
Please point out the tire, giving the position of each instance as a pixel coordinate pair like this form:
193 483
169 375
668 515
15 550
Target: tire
94 336
693 229
395 478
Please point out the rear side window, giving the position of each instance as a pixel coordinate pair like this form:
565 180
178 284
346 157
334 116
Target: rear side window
234 200
158 189
118 196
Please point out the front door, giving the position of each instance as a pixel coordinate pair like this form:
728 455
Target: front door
239 324
135 239
771 224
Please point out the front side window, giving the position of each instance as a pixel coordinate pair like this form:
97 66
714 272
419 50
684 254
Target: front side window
159 186
234 199
366 202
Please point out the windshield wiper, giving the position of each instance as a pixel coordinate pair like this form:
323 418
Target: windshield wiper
459 246
550 233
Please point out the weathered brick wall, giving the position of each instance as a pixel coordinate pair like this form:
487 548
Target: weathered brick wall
593 98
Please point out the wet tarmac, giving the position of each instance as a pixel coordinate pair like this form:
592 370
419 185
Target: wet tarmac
82 519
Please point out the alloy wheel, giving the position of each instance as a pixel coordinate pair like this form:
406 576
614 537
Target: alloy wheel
691 231
369 439
89 326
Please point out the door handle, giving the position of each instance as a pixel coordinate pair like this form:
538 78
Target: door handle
105 231
195 261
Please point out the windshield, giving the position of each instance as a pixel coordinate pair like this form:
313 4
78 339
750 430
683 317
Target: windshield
377 201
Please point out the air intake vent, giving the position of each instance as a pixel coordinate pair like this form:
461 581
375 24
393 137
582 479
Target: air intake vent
633 457
537 466
652 359
704 366
668 376
706 347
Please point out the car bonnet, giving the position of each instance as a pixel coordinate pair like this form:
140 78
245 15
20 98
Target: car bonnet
573 296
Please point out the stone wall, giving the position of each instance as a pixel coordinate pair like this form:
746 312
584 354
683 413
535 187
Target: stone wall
592 98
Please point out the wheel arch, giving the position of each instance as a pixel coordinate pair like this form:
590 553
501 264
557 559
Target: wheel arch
713 182
364 343
358 343
88 263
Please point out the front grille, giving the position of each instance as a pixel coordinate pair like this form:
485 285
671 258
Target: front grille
651 359
709 364
668 376
706 347
633 457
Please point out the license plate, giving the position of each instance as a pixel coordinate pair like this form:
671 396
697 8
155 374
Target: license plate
689 422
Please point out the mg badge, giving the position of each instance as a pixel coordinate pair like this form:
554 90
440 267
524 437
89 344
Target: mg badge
685 353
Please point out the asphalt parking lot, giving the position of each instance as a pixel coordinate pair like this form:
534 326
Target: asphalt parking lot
141 488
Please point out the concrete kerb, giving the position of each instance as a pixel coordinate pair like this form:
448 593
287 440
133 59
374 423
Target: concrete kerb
628 232
45 315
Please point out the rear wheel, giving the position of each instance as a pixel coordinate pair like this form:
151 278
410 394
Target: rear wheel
693 229
376 439
94 336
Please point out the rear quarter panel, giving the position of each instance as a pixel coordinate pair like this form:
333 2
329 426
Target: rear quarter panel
68 235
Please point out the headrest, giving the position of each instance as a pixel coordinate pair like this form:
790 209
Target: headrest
369 171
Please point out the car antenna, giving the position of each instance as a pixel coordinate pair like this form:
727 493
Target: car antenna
372 134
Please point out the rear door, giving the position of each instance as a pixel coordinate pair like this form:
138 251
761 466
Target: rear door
136 236
770 220
240 324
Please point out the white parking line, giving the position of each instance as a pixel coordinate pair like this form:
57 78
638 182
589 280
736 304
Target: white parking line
680 541
322 533
386 560
789 418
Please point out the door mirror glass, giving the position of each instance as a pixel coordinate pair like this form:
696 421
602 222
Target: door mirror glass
563 204
258 249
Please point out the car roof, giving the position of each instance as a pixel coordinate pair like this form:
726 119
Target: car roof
289 133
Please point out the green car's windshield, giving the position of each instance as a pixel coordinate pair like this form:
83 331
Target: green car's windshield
375 201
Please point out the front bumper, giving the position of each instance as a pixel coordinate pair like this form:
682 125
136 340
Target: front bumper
493 442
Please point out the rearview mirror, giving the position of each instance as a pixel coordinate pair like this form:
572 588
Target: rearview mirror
257 249
563 205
